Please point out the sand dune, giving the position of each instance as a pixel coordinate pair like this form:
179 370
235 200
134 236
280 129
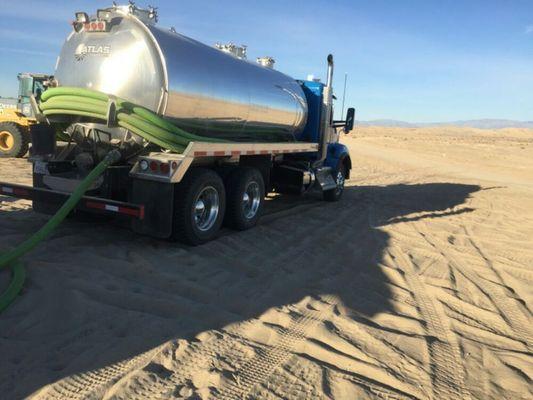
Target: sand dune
417 285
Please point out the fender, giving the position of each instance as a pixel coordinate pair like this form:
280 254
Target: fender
337 154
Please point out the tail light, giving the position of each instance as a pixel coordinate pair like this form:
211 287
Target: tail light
158 166
154 166
164 168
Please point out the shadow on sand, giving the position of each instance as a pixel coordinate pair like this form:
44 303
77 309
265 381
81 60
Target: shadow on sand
134 293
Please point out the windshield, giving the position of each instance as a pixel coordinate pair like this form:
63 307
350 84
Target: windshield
25 86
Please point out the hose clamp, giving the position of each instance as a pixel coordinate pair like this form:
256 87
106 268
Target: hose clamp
112 121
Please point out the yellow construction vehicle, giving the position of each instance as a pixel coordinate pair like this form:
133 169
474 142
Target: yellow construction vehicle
15 122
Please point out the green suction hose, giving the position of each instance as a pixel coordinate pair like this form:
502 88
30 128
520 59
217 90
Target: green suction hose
11 257
141 121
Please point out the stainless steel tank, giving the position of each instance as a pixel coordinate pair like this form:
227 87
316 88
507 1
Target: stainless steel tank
198 87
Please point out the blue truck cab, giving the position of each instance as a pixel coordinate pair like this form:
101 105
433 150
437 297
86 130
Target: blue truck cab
329 167
337 153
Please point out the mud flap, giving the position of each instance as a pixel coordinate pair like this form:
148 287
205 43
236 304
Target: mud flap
158 200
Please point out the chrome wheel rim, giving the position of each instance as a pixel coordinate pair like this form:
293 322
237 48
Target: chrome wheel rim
251 199
206 208
340 182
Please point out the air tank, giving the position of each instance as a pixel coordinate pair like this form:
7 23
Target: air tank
204 90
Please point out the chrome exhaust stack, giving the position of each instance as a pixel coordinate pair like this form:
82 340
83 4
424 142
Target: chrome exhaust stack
327 109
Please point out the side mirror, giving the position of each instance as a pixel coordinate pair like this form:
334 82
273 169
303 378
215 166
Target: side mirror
350 117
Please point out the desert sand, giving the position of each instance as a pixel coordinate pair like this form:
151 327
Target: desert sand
417 285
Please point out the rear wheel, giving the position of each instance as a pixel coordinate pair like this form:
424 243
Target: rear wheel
14 140
199 206
246 195
339 177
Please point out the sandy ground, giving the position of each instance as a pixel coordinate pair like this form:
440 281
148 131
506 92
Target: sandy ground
418 284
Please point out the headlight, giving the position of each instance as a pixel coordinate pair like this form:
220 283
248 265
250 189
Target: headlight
26 110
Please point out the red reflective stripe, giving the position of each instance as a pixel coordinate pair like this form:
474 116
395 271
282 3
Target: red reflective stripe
264 152
200 153
235 153
219 153
139 213
15 191
250 152
93 204
128 211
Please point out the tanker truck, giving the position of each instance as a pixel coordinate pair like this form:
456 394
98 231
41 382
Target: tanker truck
199 135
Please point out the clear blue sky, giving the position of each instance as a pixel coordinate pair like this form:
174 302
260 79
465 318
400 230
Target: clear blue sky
413 60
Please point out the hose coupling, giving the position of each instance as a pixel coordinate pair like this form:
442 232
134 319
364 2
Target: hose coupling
112 157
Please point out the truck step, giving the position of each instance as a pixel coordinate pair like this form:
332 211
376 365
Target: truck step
325 179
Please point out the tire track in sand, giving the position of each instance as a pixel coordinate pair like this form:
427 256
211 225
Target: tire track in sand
497 292
448 381
378 390
260 367
254 371
91 383
445 355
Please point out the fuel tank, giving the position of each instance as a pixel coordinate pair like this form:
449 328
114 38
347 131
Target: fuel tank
197 87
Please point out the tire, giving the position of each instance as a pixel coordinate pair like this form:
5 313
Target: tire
14 140
339 177
195 198
245 190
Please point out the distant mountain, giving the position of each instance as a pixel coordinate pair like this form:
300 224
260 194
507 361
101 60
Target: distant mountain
490 123
474 123
388 122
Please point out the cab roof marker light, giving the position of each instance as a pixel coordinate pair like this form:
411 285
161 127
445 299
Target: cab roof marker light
103 15
82 17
